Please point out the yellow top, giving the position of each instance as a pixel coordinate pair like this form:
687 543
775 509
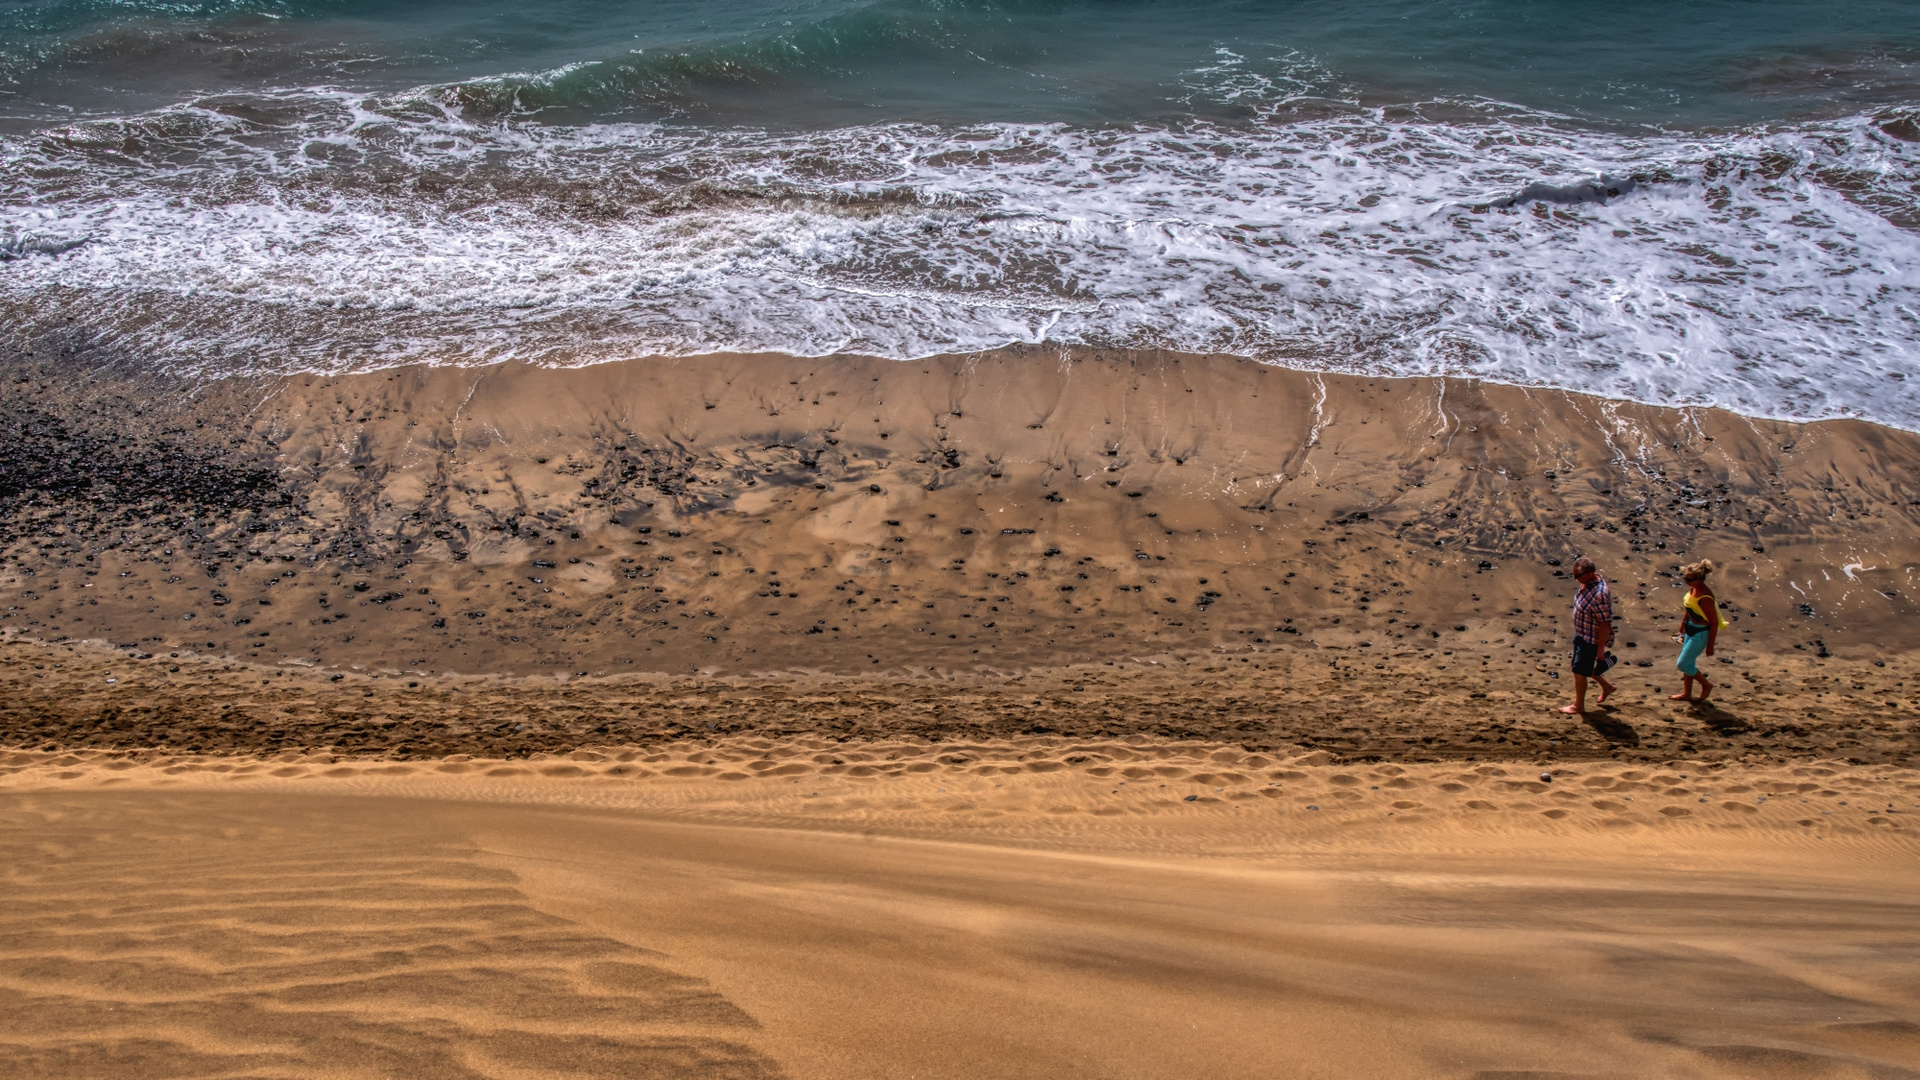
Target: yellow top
1693 605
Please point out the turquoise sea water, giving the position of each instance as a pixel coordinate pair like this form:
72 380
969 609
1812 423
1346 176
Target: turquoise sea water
1711 202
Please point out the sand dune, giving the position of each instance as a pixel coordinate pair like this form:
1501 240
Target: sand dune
1024 909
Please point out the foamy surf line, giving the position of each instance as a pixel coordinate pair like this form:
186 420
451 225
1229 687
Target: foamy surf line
1770 272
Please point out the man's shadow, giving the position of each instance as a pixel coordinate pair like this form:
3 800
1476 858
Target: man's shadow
1616 731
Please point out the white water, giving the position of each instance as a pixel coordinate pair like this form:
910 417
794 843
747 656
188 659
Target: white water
1756 270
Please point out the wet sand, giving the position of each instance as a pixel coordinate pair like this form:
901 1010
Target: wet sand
1088 714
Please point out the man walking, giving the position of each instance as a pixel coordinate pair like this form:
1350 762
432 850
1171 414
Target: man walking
1592 633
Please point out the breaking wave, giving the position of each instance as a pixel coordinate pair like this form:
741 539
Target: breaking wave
1770 270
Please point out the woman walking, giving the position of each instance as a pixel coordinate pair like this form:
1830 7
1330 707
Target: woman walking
1700 625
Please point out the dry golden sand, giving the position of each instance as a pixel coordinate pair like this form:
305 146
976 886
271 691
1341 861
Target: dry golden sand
1024 714
1045 907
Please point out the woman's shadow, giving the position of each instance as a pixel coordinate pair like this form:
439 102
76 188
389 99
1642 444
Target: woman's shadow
1720 720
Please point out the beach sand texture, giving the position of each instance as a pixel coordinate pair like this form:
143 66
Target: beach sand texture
1034 713
1004 511
1012 910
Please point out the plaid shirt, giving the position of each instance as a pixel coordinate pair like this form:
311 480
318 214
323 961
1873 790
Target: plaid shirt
1592 609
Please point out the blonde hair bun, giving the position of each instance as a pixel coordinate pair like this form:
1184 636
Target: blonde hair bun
1697 571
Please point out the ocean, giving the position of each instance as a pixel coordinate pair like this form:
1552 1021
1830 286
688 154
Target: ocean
1712 203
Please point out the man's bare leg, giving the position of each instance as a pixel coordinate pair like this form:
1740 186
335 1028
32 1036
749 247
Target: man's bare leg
1579 697
1606 690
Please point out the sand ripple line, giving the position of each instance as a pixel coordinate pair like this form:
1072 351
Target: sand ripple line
134 947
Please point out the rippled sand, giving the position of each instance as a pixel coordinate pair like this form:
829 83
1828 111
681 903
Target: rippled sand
1028 908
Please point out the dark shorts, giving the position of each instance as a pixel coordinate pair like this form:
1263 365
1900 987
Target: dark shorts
1586 658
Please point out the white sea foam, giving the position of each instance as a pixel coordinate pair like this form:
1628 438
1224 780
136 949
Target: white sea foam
1774 272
